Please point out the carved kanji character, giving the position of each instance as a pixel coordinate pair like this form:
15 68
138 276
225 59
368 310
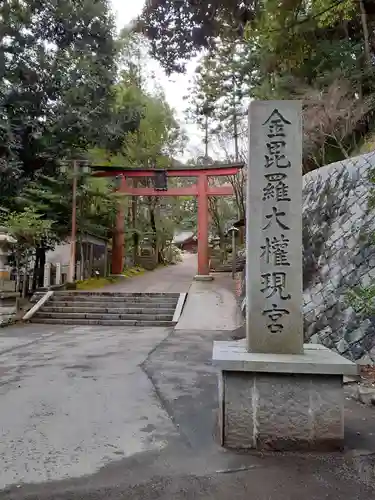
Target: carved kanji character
276 123
276 188
274 283
276 155
275 251
275 314
276 215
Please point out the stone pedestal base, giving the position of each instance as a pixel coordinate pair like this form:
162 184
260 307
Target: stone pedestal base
281 402
8 307
203 277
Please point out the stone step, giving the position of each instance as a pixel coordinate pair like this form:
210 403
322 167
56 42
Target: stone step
49 308
100 317
109 304
114 294
93 297
104 322
105 298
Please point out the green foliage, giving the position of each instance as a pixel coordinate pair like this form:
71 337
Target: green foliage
221 86
29 229
56 75
68 90
362 300
319 51
178 30
52 199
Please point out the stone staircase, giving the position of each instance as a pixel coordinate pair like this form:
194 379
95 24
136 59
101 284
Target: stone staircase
117 309
227 267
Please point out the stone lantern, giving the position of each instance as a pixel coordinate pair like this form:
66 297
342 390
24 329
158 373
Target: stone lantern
8 296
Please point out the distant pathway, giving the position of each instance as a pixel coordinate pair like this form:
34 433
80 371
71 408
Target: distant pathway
170 279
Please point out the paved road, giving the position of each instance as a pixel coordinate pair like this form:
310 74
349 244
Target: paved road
90 413
75 399
171 279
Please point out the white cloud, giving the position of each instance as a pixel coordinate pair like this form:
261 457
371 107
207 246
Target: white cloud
176 86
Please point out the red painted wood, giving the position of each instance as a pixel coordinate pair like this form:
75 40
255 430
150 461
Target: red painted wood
118 236
181 191
203 215
201 190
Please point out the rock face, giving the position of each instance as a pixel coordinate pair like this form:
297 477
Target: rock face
337 255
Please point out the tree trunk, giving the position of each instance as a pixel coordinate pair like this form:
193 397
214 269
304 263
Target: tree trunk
18 280
25 275
366 35
235 121
35 270
40 260
155 245
82 258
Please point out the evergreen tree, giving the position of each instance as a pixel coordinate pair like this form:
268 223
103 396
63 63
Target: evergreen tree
57 69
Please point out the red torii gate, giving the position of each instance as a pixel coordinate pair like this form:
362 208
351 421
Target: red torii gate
201 190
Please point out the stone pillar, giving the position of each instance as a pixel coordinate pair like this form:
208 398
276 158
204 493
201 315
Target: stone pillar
4 272
274 228
79 271
274 392
6 241
58 273
47 275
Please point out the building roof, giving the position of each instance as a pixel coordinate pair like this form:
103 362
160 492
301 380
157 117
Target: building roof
182 237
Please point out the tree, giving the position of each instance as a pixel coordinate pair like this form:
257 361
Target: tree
56 73
50 198
179 30
223 81
299 49
29 229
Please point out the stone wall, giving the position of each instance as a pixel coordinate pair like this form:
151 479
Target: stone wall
337 256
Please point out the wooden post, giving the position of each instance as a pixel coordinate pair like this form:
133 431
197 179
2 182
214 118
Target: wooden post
118 239
203 216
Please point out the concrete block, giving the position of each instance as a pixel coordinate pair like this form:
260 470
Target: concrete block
233 356
282 412
239 423
203 277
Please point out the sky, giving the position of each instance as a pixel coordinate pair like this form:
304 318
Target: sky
176 86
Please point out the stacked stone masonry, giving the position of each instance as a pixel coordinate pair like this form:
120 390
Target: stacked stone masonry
337 255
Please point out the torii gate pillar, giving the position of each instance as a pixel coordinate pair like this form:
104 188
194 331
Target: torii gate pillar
203 224
118 235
